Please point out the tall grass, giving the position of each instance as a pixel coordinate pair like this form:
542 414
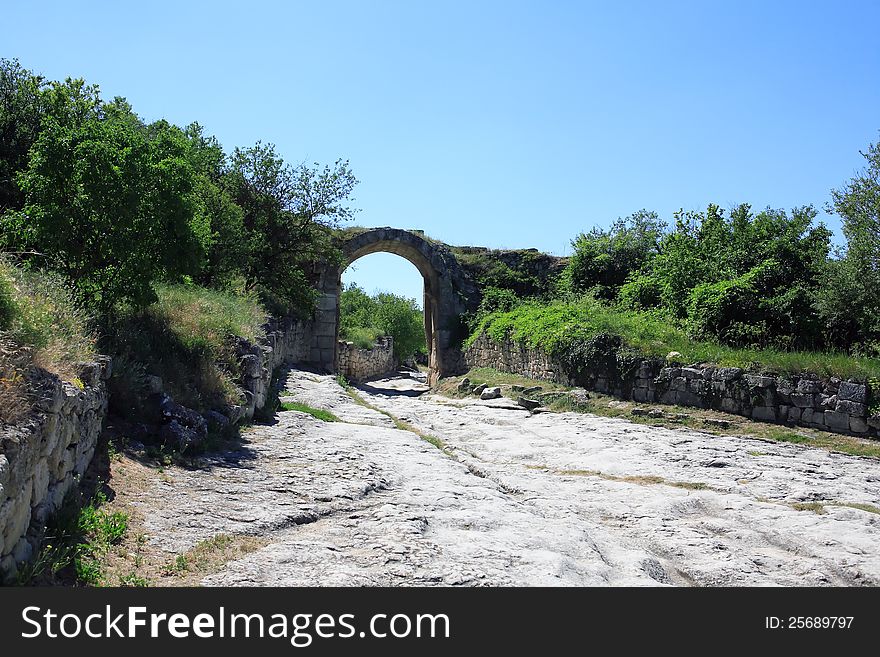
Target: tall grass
555 325
185 338
38 313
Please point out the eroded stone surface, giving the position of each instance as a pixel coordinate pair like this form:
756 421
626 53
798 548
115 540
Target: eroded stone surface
555 499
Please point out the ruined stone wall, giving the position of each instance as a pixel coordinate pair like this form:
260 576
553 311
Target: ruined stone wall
44 456
357 364
286 342
807 400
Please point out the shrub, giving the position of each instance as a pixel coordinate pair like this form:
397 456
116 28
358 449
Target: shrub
641 292
604 259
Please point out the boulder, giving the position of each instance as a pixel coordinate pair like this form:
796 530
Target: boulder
179 437
217 422
528 404
490 393
477 390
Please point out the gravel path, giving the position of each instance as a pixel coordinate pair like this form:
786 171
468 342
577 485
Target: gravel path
517 499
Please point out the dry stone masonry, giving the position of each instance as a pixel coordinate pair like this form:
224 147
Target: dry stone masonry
44 457
357 364
807 400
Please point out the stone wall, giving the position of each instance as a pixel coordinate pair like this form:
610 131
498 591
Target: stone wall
357 364
44 456
806 400
286 342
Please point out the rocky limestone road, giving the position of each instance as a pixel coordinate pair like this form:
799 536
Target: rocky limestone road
516 499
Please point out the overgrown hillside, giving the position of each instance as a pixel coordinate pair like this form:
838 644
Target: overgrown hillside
148 239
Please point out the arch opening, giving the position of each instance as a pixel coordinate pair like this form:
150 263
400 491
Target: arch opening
442 302
384 281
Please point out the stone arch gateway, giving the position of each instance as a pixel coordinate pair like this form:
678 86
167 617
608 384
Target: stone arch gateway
447 295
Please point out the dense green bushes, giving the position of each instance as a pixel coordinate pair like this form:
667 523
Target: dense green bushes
363 318
746 279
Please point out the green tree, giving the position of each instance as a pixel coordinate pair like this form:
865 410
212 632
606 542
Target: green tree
850 299
604 259
22 106
402 319
108 207
287 216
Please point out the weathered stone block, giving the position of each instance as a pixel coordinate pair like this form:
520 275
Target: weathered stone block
764 413
858 425
803 400
809 386
727 374
854 392
837 421
794 414
850 407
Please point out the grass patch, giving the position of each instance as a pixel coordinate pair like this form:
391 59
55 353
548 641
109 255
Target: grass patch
558 326
39 314
830 441
325 416
815 507
639 480
76 542
187 339
690 485
209 556
870 508
642 480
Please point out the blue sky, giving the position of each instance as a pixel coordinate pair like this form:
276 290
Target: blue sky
505 124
